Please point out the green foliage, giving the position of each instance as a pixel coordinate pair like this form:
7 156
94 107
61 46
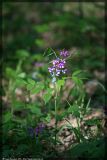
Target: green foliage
92 122
47 96
38 87
76 77
34 87
74 110
35 110
22 54
31 81
91 149
11 73
48 118
41 28
39 42
76 73
31 84
50 52
20 82
7 117
60 83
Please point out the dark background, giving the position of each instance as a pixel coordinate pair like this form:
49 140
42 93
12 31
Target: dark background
34 27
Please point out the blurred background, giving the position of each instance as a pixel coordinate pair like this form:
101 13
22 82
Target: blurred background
30 28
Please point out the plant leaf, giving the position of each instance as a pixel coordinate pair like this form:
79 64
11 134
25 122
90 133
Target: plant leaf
47 96
35 109
38 87
20 82
7 117
76 73
48 118
74 110
31 84
31 81
60 83
11 73
22 53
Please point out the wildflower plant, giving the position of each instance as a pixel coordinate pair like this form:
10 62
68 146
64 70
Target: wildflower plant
57 69
35 122
59 73
37 130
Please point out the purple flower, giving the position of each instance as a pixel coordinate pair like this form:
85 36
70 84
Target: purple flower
55 62
61 64
51 69
36 131
41 127
58 65
58 72
64 53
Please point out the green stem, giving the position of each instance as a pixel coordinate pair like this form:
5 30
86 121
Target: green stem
11 95
18 68
55 115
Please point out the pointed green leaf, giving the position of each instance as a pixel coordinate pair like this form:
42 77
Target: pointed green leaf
74 109
22 53
47 96
77 81
76 73
92 122
60 83
31 81
48 118
11 73
38 87
22 75
31 84
20 82
35 109
29 87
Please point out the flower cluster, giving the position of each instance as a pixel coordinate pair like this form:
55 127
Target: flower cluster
37 130
59 64
64 53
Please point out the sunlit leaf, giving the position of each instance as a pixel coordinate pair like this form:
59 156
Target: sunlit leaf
20 82
22 75
31 84
47 96
76 73
48 118
31 81
38 87
60 83
22 53
77 81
